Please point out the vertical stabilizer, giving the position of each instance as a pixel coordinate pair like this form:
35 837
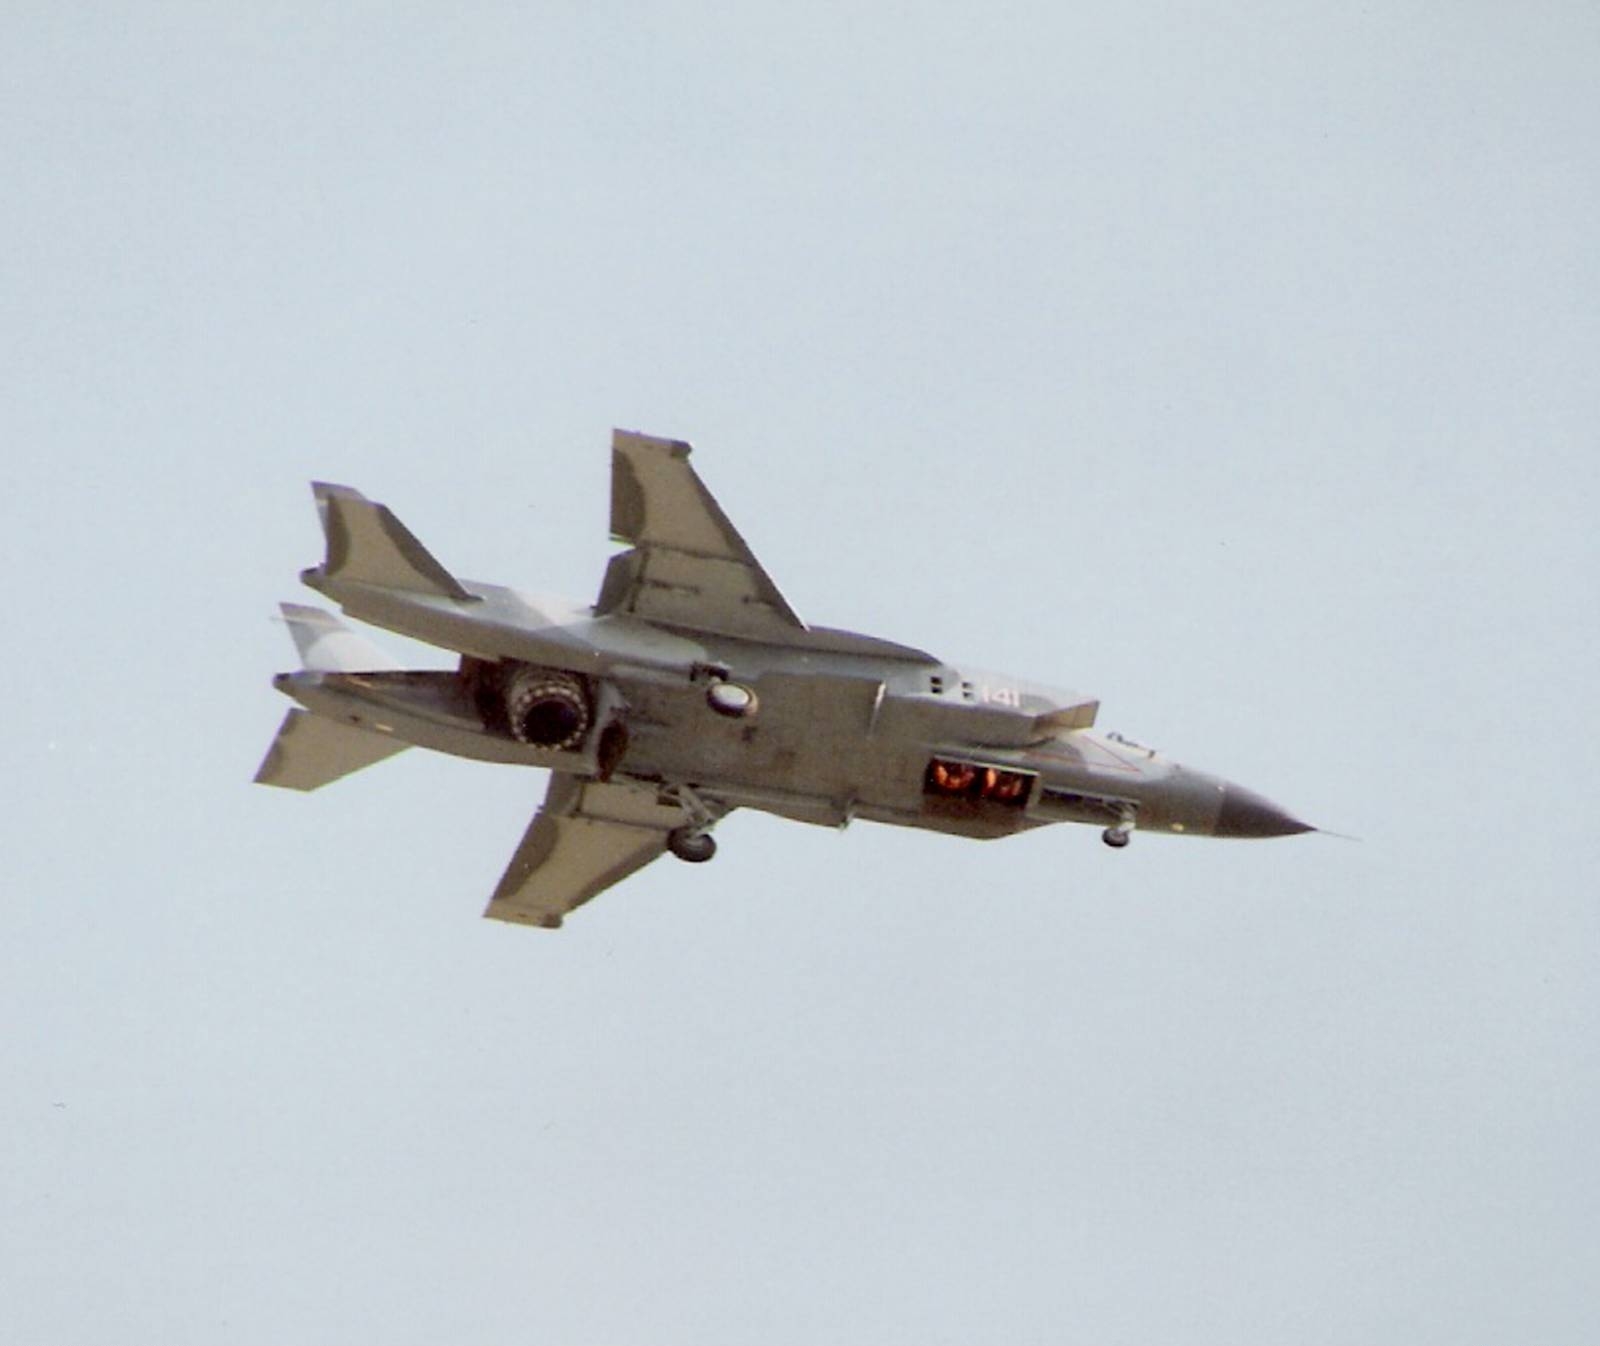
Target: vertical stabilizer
368 545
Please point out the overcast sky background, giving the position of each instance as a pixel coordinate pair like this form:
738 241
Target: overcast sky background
1234 362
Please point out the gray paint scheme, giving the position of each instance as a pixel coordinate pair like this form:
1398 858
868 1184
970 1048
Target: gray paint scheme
840 726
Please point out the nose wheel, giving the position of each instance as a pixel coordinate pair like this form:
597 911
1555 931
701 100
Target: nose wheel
1120 833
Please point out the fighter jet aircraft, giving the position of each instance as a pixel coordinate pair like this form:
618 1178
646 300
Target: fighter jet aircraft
688 689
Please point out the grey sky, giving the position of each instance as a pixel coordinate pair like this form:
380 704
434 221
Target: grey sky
1233 362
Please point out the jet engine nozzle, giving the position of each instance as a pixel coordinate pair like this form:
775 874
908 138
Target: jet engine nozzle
546 708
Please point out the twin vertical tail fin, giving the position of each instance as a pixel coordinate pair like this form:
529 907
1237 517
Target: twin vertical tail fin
310 750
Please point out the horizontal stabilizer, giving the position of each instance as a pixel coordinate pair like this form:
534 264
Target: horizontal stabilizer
327 645
310 751
368 545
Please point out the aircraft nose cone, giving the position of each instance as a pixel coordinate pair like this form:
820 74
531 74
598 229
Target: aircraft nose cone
1246 814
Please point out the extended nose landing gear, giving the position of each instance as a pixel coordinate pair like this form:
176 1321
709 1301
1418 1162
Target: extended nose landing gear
1121 833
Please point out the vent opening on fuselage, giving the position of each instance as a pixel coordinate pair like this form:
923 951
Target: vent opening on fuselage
952 779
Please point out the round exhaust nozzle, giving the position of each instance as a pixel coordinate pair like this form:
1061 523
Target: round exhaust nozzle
547 708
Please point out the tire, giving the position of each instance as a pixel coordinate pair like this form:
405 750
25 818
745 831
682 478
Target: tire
692 847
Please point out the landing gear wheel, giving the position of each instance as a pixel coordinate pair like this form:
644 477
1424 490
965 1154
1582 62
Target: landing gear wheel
1116 837
693 847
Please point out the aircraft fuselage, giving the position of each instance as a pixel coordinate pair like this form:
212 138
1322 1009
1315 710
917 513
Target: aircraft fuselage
842 727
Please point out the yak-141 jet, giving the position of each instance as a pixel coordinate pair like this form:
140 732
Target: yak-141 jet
691 688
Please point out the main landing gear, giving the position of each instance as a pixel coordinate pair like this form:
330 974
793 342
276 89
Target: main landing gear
693 842
691 846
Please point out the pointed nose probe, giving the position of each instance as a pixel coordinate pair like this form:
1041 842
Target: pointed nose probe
1246 814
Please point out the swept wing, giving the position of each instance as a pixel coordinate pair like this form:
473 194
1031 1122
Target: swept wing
585 838
688 566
